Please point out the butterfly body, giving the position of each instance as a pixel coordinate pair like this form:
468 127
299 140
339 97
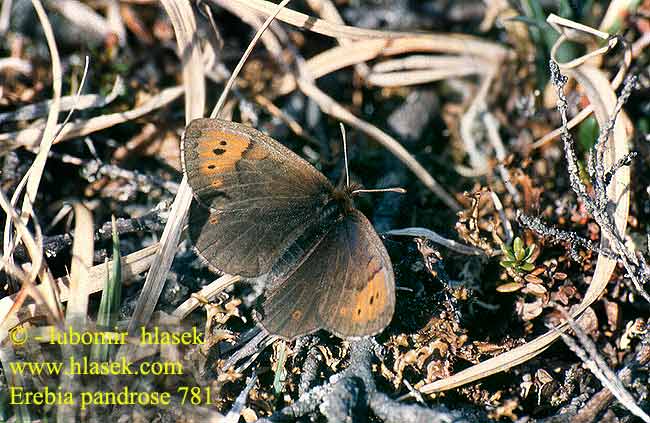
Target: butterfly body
263 210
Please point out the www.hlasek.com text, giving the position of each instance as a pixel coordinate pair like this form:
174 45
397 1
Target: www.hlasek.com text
83 366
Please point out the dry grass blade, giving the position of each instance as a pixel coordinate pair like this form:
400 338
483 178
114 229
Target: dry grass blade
5 16
162 261
7 236
603 98
617 12
365 50
90 23
417 77
240 64
457 43
208 292
29 137
14 379
182 17
7 239
268 38
567 28
562 25
431 62
415 70
16 64
115 22
50 294
132 265
288 120
434 237
575 121
50 126
82 260
328 11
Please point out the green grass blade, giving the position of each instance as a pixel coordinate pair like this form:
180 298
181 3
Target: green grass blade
280 372
111 299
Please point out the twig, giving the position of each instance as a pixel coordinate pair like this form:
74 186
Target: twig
239 404
601 177
476 157
29 137
351 392
507 226
249 343
94 170
572 239
604 397
309 370
492 128
79 102
54 245
586 350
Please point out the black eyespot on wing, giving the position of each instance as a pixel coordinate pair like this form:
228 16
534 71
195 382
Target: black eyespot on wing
218 151
223 143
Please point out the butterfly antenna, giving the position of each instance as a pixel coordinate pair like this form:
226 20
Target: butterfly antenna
345 156
347 171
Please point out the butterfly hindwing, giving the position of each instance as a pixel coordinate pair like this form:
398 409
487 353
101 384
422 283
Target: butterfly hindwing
255 196
344 284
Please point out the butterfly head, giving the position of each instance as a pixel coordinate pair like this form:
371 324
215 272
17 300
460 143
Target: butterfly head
344 196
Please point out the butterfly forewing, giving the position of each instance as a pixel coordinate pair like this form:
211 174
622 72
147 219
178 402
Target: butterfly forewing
344 283
255 195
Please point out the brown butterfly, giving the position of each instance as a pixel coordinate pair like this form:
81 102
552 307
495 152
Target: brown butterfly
261 209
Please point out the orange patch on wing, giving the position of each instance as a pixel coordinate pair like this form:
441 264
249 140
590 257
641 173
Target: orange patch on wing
257 153
371 300
219 151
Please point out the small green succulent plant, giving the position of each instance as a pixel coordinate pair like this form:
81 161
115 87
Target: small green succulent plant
518 257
